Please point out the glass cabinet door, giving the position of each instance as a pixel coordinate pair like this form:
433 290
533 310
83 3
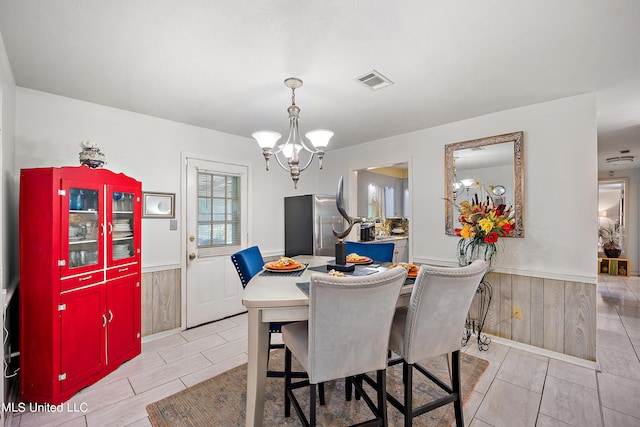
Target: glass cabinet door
83 232
122 226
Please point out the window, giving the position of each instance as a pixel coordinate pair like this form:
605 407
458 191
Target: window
218 210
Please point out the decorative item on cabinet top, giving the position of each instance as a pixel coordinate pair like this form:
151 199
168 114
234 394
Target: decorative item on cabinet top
91 155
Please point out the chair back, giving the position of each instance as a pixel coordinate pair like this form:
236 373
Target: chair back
382 252
248 262
349 323
435 317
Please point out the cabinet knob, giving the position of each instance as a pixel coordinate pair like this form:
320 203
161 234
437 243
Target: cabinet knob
192 256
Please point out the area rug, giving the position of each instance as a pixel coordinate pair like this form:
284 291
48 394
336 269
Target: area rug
220 401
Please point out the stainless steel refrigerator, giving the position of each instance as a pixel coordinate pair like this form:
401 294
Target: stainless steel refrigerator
308 222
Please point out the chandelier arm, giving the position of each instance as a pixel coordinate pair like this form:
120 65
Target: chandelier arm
280 162
308 163
294 137
311 150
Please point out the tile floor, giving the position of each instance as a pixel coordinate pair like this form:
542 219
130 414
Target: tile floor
519 388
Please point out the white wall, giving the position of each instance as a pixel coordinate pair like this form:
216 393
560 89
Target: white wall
560 152
8 196
8 200
50 128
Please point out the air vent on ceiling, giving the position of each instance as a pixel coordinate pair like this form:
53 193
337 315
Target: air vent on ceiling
374 80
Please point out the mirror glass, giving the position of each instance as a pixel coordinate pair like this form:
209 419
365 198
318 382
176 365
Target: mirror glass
487 168
611 211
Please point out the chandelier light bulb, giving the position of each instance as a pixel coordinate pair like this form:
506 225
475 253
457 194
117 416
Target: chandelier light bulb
287 150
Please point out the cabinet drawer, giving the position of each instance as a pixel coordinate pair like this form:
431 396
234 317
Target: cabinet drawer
81 281
121 271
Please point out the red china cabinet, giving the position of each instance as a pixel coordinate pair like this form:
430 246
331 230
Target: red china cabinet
80 262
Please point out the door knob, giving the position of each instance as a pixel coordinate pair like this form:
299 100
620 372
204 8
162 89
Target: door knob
192 256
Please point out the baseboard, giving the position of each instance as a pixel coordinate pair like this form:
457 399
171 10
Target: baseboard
594 365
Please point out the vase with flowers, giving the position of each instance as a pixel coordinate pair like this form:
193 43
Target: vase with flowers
482 225
610 237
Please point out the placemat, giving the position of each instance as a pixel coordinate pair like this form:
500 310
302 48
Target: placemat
363 270
304 287
285 273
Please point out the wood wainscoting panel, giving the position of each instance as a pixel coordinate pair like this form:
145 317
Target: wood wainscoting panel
166 300
554 315
521 297
537 311
160 301
580 320
505 299
492 321
147 304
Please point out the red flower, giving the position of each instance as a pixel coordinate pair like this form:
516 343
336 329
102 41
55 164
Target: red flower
506 228
491 237
458 230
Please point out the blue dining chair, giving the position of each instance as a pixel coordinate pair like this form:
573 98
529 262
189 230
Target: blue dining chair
248 262
381 252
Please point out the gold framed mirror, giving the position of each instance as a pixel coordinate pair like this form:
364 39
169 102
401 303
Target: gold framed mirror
487 167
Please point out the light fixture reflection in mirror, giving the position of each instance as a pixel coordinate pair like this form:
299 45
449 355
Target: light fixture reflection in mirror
479 167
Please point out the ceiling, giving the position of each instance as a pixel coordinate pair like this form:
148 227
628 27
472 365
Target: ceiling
221 64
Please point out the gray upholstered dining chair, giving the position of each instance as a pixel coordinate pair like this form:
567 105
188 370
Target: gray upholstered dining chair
346 336
431 325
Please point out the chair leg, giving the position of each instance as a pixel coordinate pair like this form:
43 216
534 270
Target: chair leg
287 382
382 396
321 392
407 376
312 405
455 385
348 388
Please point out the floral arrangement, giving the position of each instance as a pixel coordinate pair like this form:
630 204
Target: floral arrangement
483 223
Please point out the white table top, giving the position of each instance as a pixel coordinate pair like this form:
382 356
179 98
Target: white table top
281 291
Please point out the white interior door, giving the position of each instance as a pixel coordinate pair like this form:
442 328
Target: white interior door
216 228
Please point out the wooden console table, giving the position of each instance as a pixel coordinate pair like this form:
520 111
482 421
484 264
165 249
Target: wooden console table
614 266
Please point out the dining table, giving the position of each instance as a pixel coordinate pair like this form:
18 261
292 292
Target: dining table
278 297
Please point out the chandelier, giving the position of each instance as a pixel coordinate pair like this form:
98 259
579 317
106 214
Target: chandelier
288 154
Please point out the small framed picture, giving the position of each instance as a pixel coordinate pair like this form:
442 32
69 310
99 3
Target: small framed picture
158 205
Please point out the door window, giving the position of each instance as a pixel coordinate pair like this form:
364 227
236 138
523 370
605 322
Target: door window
219 210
